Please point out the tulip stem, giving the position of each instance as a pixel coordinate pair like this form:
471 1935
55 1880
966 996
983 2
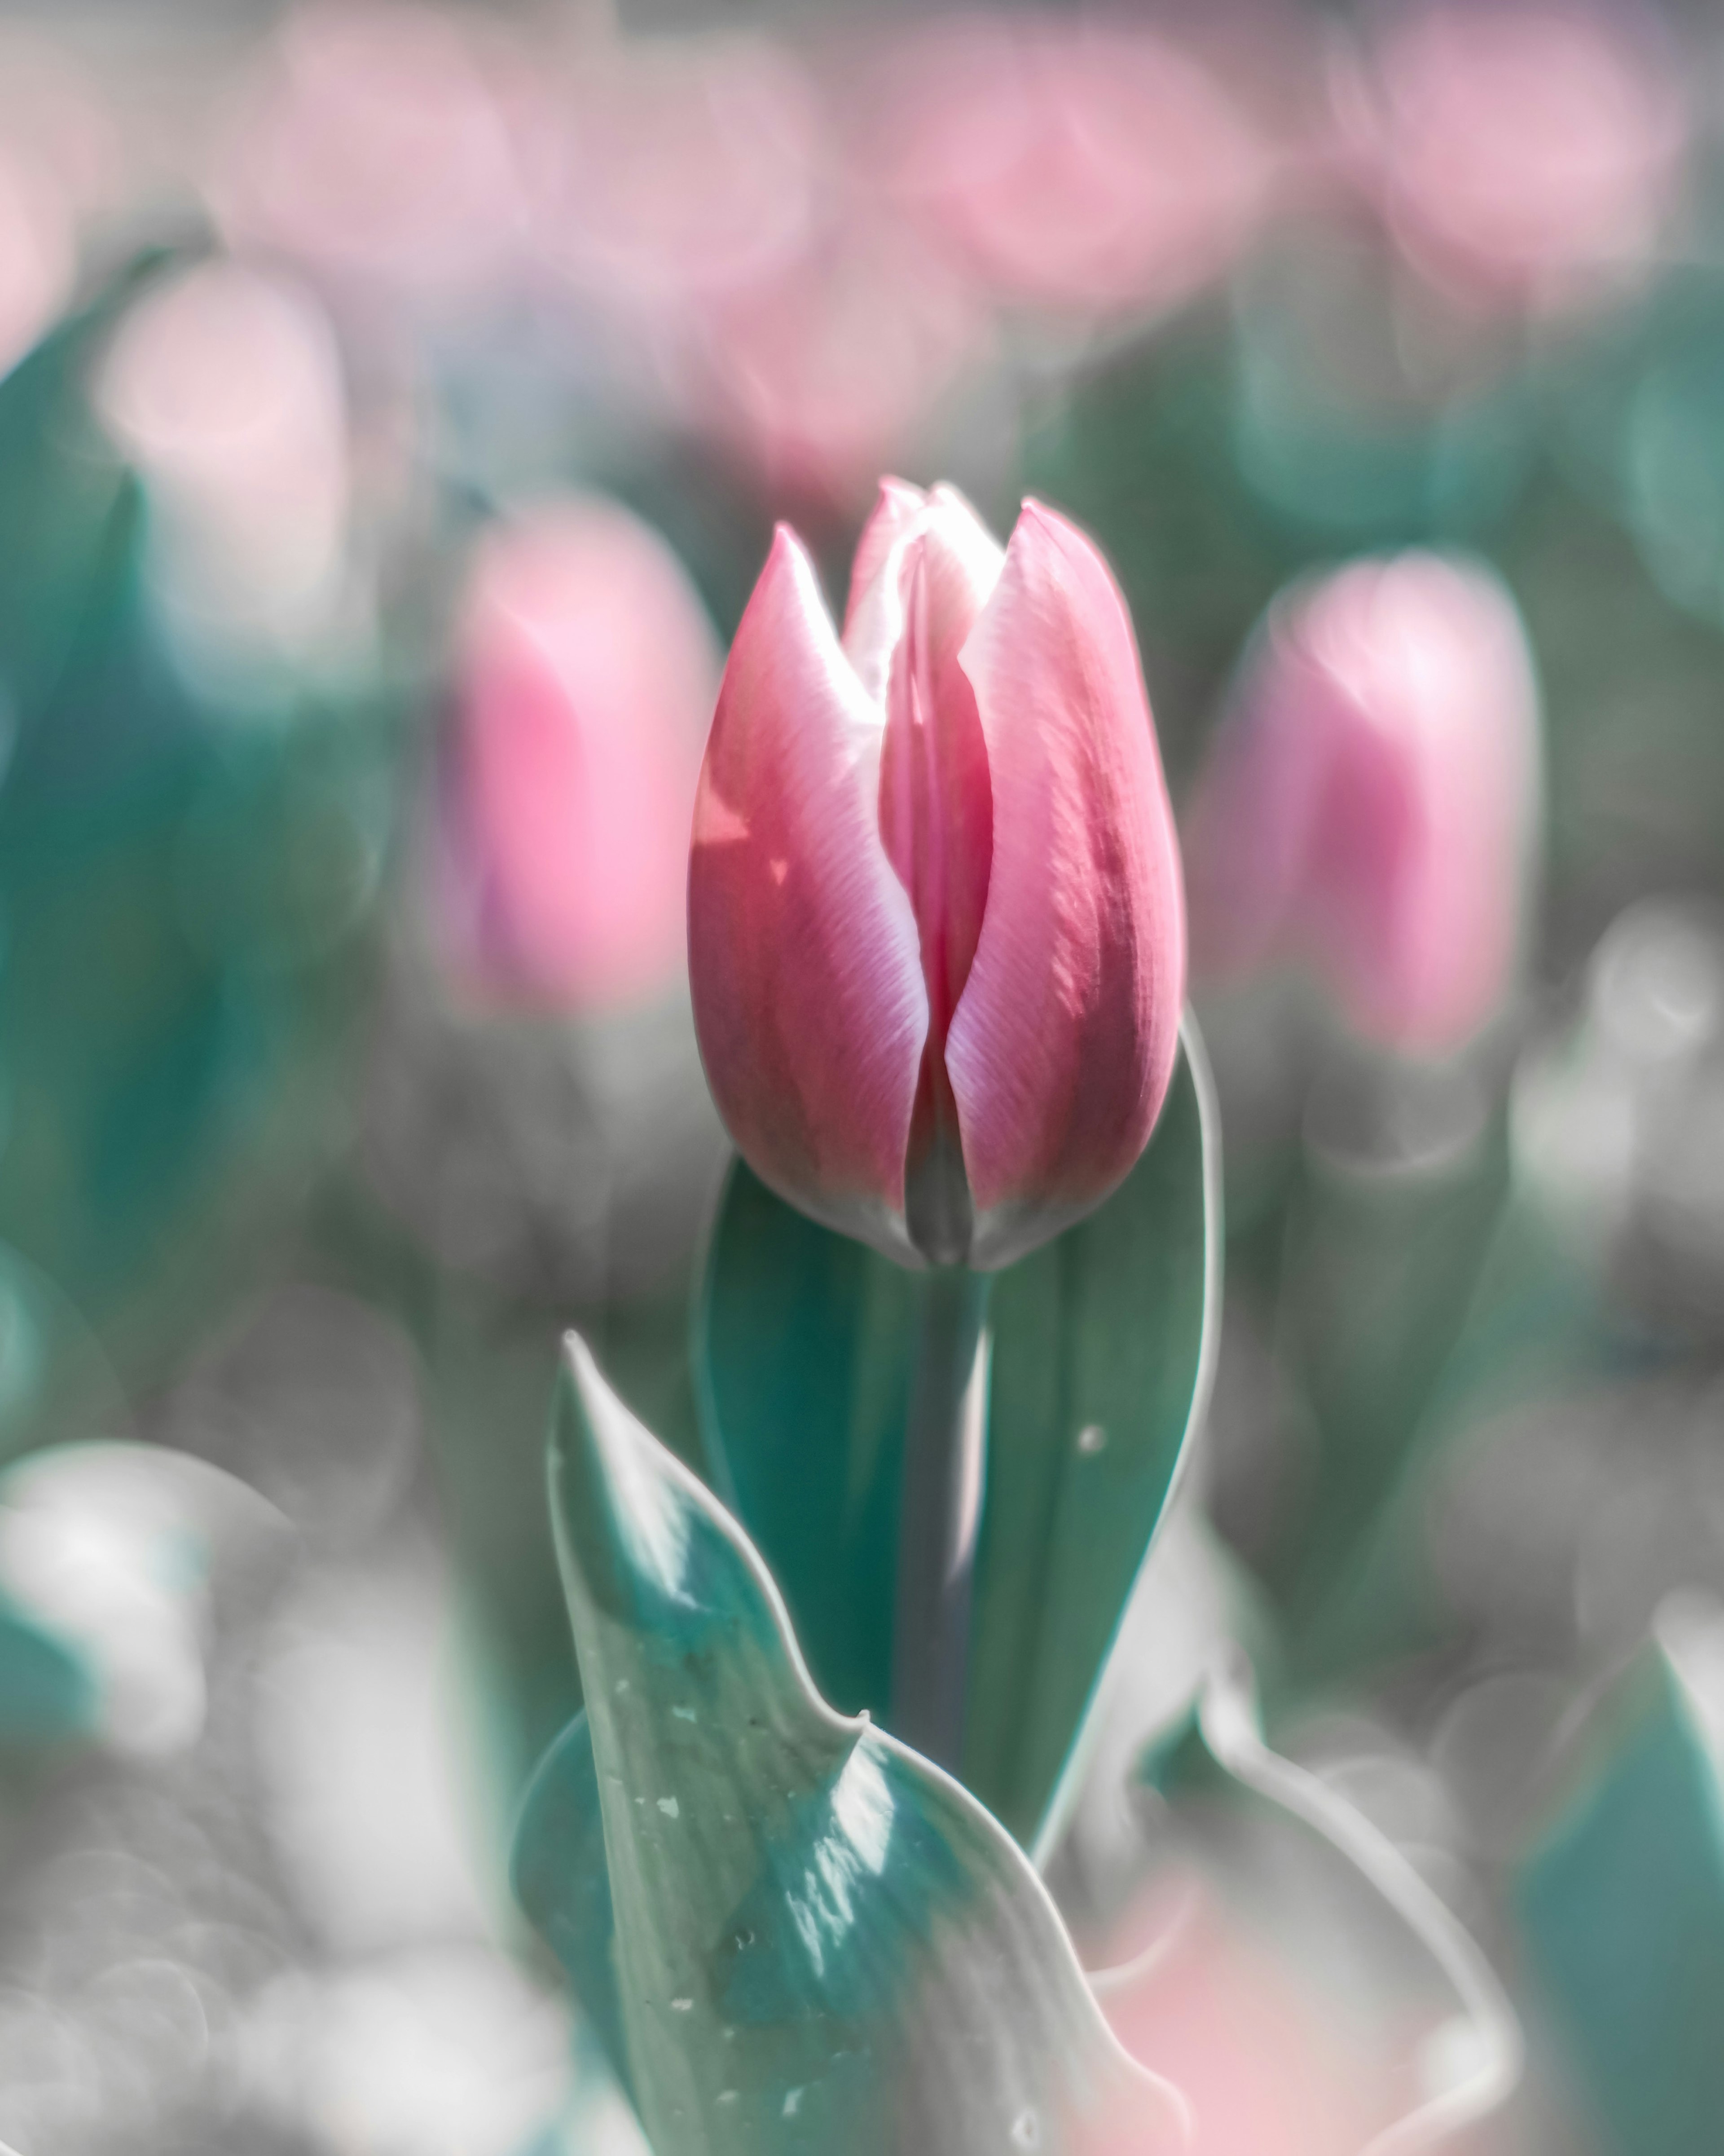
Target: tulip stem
945 1444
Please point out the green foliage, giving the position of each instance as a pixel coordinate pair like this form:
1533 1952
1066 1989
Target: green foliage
1381 1268
179 885
1101 1346
1622 1907
815 1941
48 1691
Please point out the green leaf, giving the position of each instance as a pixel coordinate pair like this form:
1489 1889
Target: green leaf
49 1693
819 1942
68 508
1388 1237
561 1878
1621 1907
1103 1341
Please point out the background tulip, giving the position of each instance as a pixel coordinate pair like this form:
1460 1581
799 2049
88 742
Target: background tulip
1067 166
1369 805
586 666
1524 154
936 924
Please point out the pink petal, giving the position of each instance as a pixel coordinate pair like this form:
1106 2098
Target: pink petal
1064 1041
935 803
1070 163
1530 153
875 612
1371 807
586 674
1251 826
1270 2063
802 953
1418 870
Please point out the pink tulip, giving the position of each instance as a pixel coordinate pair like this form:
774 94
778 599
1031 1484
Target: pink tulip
936 922
1268 2066
1527 152
692 170
384 144
1068 165
822 373
586 669
1370 804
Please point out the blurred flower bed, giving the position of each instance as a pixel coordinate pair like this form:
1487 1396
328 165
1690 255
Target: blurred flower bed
398 403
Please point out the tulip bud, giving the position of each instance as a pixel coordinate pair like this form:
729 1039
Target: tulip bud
585 672
936 933
1370 804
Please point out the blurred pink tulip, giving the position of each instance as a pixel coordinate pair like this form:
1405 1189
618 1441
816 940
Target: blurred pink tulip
1070 165
1264 2068
1528 152
585 674
820 375
1370 804
383 144
692 168
936 926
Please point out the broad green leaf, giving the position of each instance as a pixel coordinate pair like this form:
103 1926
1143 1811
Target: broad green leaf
819 1942
561 1879
1622 1904
1101 1346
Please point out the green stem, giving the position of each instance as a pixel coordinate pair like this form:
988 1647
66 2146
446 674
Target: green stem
945 1442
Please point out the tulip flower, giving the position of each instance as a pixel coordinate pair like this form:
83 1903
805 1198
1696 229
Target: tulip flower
936 935
693 171
382 145
818 375
585 667
1369 806
1528 155
1069 166
1270 2064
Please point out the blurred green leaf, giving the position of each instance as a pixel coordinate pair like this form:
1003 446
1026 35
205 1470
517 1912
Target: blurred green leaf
1622 1908
48 1691
1101 1348
561 1878
69 527
1385 1243
820 1942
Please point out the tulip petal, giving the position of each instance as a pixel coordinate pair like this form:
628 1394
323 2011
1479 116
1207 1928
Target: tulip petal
936 804
803 949
966 564
875 611
1063 1043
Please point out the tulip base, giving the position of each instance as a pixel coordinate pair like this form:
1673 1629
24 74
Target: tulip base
945 1448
